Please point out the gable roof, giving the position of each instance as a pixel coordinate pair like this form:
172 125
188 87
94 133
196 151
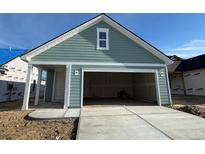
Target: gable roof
7 55
102 17
197 62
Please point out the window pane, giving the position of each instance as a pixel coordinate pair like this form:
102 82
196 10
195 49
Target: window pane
102 35
103 44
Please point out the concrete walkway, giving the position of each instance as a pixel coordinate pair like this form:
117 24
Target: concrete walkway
138 122
46 114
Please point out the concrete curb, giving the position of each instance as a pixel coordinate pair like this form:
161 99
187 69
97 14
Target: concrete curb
78 129
53 114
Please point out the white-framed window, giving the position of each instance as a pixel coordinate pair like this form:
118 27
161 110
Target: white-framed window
102 38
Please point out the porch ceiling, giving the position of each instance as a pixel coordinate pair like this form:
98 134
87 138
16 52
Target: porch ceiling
47 67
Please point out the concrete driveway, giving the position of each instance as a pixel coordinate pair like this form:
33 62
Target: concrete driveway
138 122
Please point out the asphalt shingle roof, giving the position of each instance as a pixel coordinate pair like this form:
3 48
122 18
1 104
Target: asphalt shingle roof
191 64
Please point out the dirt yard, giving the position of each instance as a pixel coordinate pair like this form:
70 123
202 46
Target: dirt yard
190 104
14 105
198 110
15 125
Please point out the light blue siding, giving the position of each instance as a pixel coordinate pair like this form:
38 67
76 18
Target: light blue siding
82 48
76 80
163 85
75 90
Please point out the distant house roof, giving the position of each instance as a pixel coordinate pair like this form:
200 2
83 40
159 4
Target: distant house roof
191 64
7 55
172 67
175 58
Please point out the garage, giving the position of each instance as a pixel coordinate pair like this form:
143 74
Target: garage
119 88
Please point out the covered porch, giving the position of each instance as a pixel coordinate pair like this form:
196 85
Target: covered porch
57 89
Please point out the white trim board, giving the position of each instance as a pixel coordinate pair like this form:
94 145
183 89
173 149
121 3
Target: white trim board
69 34
120 70
96 63
155 71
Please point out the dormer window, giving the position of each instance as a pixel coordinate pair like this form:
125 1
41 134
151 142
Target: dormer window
102 39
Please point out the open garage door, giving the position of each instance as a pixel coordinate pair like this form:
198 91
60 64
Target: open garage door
119 88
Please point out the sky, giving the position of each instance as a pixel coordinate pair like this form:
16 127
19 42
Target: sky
174 34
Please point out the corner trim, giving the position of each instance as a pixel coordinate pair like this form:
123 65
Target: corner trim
158 88
168 86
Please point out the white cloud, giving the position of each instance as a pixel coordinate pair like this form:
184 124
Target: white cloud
190 49
7 44
192 45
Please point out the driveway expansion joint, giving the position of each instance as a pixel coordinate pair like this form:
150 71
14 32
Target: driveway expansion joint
148 122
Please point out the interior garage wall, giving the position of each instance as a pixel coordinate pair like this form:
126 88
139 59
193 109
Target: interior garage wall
140 86
144 86
107 84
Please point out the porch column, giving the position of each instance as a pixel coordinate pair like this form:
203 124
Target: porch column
67 86
38 86
27 88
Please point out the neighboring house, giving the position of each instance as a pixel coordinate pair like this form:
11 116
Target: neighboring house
3 71
188 76
100 59
13 72
176 78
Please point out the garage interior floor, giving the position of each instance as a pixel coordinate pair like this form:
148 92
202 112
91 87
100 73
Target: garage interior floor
94 102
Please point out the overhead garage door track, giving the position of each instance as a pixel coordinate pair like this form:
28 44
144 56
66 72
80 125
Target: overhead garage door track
138 122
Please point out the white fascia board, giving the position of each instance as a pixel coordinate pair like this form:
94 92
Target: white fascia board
96 63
